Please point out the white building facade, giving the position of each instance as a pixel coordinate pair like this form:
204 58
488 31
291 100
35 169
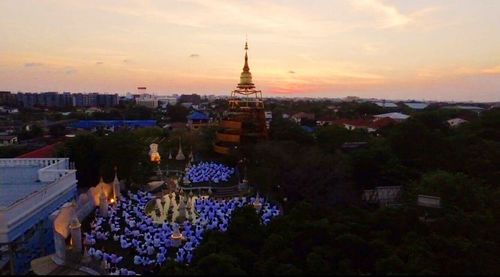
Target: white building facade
30 190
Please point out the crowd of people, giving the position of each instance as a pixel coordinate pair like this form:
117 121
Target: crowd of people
150 243
209 172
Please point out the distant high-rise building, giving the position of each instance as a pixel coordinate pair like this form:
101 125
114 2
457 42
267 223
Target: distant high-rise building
66 99
7 98
167 100
195 99
147 100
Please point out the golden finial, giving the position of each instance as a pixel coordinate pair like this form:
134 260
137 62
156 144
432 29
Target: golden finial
246 67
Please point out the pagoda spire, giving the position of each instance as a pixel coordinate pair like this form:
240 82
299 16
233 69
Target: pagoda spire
246 76
116 186
180 156
246 68
116 174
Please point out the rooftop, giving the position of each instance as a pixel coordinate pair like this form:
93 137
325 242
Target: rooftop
20 178
417 106
463 107
396 116
44 152
89 124
386 104
17 183
197 115
31 189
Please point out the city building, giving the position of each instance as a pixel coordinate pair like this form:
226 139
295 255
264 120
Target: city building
30 190
66 99
164 101
147 100
195 99
113 124
7 98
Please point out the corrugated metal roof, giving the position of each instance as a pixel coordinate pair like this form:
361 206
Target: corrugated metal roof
89 124
386 104
417 106
196 115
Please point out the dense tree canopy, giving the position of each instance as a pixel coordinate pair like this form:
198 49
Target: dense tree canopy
96 156
327 229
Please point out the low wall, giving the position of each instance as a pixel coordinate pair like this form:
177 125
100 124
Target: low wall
85 204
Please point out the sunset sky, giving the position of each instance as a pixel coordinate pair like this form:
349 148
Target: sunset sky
425 49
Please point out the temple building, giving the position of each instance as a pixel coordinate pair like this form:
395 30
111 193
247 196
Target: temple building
245 120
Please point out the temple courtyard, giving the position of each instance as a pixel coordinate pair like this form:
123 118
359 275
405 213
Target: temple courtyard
132 241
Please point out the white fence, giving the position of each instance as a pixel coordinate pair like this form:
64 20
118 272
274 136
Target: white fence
39 162
50 170
429 201
382 195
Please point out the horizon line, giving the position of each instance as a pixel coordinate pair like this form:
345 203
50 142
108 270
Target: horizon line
158 94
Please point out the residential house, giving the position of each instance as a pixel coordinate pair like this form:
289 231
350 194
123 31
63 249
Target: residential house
324 121
197 119
475 109
416 105
399 117
455 122
384 104
302 116
370 125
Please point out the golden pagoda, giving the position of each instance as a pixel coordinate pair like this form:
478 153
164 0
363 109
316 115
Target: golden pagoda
244 121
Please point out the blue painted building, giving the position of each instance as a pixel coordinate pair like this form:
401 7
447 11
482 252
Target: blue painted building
111 124
30 190
197 119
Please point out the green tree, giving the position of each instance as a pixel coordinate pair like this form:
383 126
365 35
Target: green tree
83 151
57 130
126 151
177 113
